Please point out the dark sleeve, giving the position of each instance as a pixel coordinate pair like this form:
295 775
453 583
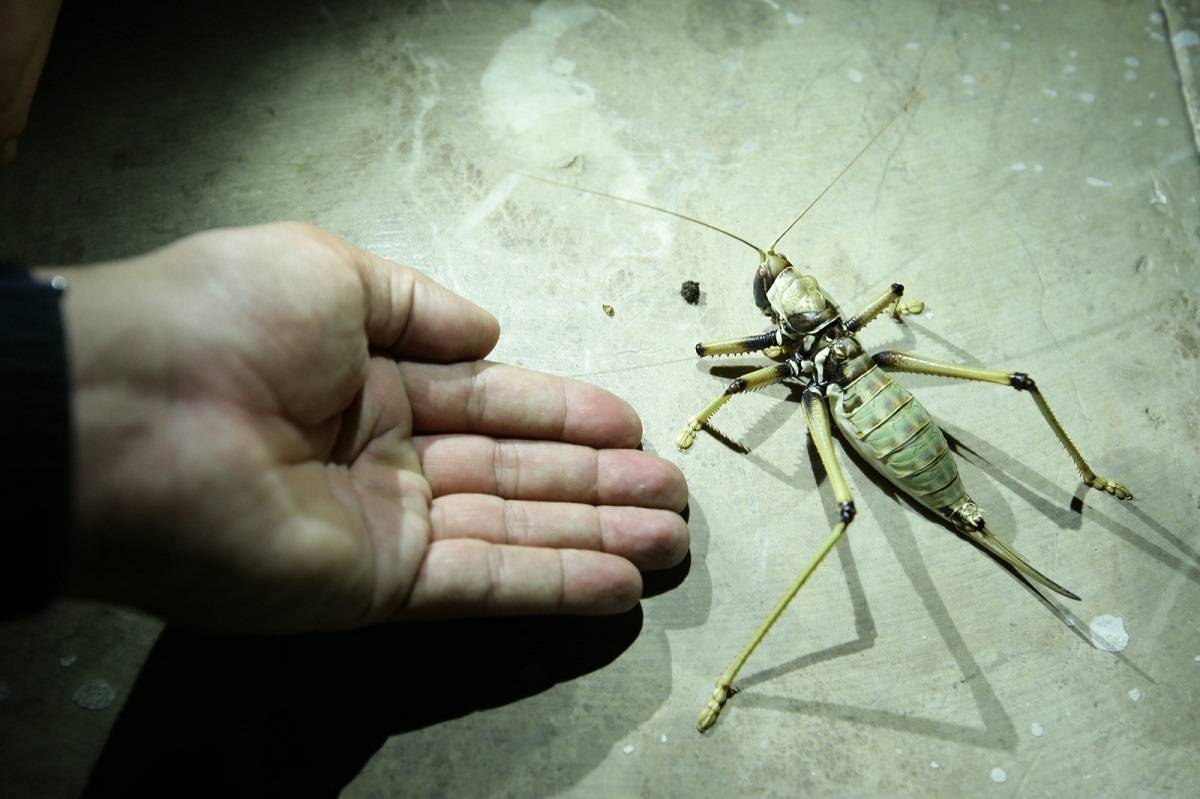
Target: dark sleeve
35 442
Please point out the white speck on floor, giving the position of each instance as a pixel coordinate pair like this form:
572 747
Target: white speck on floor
94 695
1099 183
1037 730
1108 632
999 775
1185 38
66 661
934 764
1135 694
854 75
628 749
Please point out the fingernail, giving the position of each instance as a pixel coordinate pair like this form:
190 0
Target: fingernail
9 152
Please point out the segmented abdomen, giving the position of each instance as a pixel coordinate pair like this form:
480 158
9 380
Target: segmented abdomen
893 431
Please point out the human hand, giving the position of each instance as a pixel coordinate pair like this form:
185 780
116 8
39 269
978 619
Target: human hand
276 431
25 30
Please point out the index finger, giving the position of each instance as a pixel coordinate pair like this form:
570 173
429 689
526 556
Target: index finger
495 399
410 315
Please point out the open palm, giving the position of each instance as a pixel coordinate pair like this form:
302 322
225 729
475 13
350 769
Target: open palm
278 431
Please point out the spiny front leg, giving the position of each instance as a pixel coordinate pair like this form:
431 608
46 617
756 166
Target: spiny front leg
751 382
741 344
895 361
890 301
817 416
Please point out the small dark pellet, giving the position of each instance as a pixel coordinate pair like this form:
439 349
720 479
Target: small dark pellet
690 292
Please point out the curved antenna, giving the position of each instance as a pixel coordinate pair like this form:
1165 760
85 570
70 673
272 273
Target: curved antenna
648 206
903 107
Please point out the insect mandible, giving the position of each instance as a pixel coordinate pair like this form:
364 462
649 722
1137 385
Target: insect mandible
815 345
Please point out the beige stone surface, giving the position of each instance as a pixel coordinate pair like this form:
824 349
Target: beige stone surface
1041 198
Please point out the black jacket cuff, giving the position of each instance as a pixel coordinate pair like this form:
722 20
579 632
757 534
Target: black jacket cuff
35 441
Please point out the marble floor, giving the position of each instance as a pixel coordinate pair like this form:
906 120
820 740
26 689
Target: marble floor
1041 197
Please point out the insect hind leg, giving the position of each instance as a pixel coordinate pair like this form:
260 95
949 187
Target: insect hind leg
817 415
889 301
895 361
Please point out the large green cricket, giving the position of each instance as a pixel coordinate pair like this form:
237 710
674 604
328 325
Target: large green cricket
814 345
817 347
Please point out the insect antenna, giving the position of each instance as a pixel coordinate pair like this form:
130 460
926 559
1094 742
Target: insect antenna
648 206
903 107
761 253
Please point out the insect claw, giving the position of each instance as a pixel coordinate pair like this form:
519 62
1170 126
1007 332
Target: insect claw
902 307
708 717
685 438
1111 486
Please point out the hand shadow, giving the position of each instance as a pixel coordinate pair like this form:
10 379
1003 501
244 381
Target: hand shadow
300 716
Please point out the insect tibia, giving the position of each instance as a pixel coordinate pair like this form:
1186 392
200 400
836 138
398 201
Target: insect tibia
1024 382
749 382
